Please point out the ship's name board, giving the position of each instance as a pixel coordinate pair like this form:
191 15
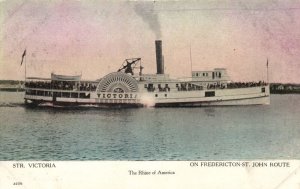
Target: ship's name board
117 96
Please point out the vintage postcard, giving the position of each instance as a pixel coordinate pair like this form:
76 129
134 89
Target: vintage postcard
149 94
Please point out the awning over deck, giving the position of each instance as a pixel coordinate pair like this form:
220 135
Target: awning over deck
65 77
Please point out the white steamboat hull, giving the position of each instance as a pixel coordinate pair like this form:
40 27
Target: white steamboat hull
236 102
222 97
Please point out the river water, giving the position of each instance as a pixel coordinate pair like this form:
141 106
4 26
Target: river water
204 133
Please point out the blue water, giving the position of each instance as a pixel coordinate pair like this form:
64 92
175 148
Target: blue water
205 133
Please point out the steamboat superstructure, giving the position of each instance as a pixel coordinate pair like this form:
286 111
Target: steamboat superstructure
127 88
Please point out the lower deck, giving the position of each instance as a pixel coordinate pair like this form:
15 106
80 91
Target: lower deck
237 96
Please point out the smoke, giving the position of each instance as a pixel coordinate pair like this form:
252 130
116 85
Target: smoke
147 100
146 11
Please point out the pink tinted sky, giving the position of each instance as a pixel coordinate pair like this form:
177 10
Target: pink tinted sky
93 38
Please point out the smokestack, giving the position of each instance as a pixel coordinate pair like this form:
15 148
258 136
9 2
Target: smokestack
159 57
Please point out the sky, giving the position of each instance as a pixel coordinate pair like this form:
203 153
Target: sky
93 38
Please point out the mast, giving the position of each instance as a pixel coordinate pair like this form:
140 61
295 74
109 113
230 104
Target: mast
25 66
191 59
24 56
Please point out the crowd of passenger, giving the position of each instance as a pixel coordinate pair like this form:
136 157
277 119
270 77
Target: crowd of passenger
234 85
245 84
150 88
166 88
216 86
62 85
188 87
89 86
180 87
192 87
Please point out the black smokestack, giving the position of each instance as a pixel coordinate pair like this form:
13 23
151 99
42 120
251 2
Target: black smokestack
159 57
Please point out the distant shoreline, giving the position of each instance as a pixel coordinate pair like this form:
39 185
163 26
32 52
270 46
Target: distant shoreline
11 85
285 92
11 90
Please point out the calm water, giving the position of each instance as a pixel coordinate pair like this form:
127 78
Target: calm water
211 133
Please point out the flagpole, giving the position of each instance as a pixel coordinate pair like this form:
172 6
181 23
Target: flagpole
267 70
191 59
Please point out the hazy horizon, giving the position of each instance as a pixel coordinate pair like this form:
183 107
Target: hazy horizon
93 38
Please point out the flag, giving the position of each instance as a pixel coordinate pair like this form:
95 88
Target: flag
267 63
24 54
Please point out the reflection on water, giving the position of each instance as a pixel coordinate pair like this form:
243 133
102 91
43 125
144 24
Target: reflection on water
209 111
207 133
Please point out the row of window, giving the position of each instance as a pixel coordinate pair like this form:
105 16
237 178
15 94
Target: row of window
207 94
58 94
205 74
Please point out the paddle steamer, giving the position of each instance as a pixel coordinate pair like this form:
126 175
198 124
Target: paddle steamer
127 88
